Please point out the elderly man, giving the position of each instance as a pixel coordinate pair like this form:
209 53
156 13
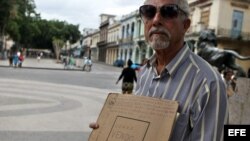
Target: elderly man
174 72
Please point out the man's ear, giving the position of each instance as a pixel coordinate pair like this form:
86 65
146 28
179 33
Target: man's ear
186 23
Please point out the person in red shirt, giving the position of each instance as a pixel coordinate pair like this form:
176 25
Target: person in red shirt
20 60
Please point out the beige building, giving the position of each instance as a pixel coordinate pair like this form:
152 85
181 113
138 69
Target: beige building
106 19
228 18
86 45
93 46
113 44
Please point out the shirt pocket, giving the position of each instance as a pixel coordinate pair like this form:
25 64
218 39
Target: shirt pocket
180 127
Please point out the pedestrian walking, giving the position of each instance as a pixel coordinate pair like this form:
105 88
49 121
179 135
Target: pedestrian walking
228 77
20 60
129 76
66 62
38 57
71 62
15 60
10 56
174 72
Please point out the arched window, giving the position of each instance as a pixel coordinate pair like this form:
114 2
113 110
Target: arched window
123 31
127 32
132 29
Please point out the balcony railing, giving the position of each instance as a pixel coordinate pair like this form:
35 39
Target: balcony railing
101 43
126 40
220 32
112 44
234 34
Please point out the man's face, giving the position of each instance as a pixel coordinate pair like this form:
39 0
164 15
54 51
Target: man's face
164 28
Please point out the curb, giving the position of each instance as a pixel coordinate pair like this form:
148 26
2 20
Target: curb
3 66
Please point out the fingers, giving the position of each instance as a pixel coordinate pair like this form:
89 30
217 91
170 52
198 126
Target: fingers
94 125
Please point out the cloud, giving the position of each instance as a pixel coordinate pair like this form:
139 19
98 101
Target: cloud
84 12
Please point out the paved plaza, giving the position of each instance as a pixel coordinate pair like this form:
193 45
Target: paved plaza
43 111
50 108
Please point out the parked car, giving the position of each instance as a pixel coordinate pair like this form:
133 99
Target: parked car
118 63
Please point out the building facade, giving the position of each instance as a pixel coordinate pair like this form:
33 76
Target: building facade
228 18
102 44
230 21
112 42
87 39
132 41
93 46
142 50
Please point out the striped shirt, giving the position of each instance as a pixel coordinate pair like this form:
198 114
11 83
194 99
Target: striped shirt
199 90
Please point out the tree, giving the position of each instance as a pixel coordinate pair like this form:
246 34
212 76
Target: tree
14 19
57 45
6 8
54 29
19 20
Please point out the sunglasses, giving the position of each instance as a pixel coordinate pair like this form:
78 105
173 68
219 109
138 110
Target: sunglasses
169 11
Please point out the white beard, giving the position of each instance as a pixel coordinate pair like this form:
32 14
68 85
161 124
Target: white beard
158 42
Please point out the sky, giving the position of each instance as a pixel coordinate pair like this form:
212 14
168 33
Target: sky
85 13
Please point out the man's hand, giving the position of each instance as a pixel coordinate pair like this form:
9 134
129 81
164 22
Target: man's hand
94 125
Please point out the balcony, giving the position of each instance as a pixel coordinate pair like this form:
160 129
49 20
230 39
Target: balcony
112 44
126 40
233 34
246 1
101 43
222 33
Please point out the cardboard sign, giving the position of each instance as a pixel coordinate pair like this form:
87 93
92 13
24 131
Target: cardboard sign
135 118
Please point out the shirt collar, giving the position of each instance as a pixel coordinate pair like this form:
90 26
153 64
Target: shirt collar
174 64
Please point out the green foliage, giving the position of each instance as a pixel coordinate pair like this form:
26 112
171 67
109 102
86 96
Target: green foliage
13 30
19 20
54 29
5 10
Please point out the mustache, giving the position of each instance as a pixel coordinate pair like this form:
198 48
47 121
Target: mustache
159 30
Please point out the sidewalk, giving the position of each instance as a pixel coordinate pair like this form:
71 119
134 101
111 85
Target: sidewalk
42 64
32 63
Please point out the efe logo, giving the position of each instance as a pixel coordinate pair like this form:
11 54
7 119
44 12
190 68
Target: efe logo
236 132
241 132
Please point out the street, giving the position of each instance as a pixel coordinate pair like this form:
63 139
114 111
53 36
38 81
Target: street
52 105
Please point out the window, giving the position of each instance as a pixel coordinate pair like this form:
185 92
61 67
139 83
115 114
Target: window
205 16
132 29
237 21
123 31
127 31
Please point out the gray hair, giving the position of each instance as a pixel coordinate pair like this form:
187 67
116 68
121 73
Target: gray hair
183 4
